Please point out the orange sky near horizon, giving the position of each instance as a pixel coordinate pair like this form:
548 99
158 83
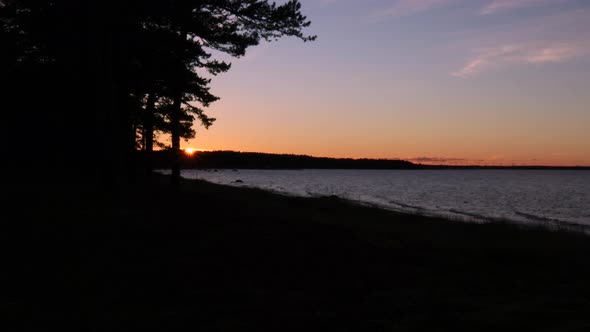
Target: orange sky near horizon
455 137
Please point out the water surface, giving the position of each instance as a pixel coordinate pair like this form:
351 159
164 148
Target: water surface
530 196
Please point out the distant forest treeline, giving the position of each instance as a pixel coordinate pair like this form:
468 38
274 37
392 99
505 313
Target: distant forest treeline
163 159
257 160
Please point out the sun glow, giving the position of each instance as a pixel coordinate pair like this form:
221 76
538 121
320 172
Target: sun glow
190 151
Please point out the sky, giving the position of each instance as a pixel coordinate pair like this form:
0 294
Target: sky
486 82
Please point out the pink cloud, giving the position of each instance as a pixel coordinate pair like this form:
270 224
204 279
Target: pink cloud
488 57
532 53
554 54
500 5
438 160
471 68
557 37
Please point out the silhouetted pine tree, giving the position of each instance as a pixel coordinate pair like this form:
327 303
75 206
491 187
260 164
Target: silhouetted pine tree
81 72
227 26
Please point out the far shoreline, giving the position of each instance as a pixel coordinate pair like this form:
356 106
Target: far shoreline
258 160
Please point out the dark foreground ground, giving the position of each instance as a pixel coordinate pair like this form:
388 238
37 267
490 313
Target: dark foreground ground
205 257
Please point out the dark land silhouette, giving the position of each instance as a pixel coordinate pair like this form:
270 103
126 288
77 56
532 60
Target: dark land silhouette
93 240
200 256
256 160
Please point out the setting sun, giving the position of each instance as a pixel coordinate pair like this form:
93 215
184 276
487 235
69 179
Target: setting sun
190 151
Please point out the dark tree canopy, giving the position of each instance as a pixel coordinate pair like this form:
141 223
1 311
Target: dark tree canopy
88 75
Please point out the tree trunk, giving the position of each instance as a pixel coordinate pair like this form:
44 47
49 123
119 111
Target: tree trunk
149 133
175 132
175 119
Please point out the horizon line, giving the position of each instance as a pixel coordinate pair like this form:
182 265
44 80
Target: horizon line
410 160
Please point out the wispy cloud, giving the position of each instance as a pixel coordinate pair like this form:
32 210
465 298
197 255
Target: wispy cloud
401 8
486 58
327 2
533 53
437 160
557 37
501 5
407 7
557 53
543 38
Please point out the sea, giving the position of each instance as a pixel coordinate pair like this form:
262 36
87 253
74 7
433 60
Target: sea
544 197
